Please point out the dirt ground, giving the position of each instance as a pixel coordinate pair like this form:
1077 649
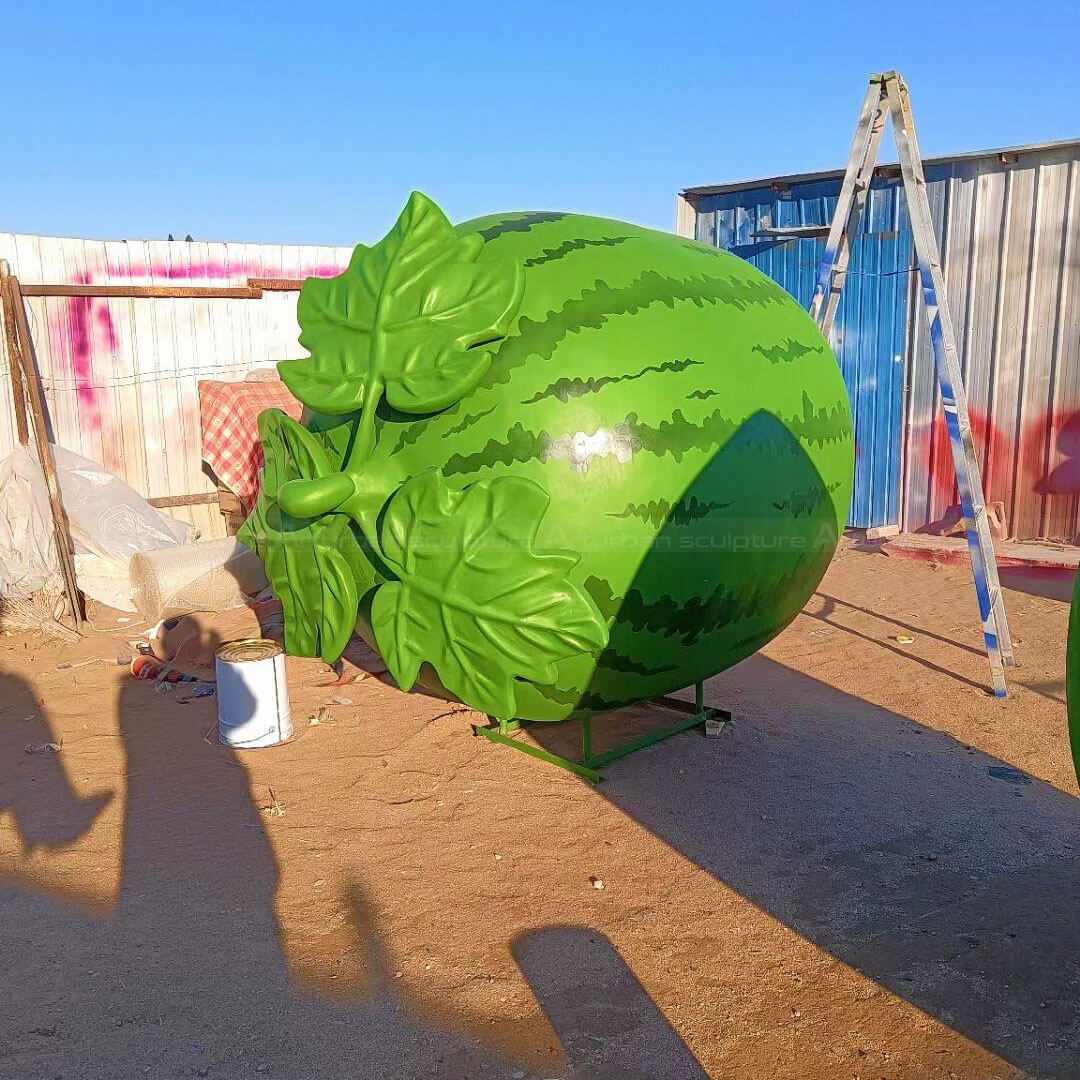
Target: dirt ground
872 873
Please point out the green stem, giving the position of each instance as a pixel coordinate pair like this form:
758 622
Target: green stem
365 436
369 492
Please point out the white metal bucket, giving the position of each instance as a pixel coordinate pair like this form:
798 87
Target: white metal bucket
253 700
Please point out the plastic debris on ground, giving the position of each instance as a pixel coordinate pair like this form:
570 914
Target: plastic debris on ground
43 748
110 523
714 726
142 667
119 661
216 575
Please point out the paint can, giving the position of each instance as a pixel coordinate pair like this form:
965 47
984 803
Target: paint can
253 700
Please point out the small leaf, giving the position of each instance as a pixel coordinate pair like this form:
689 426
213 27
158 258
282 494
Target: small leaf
308 455
415 314
476 599
315 566
290 451
339 600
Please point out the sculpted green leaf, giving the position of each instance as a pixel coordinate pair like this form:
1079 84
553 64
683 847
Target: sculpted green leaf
414 316
337 619
476 599
314 565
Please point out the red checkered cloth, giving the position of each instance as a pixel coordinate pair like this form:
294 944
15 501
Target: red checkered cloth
229 414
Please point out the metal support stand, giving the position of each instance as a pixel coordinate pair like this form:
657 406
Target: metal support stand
695 715
888 94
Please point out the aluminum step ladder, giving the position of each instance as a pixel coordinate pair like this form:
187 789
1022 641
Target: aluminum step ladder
887 95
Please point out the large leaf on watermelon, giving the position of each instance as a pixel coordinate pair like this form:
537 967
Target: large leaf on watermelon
315 566
414 314
476 599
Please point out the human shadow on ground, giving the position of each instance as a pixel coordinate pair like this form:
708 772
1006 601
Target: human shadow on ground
601 1013
939 872
186 975
34 786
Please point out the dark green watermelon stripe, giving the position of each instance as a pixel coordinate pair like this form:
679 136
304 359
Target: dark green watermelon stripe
702 395
612 660
520 445
675 437
410 433
414 431
787 352
690 619
803 503
598 304
468 421
822 425
524 222
568 247
659 511
678 435
565 389
706 249
581 701
808 502
591 311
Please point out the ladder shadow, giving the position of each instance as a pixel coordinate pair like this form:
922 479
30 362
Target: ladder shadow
942 875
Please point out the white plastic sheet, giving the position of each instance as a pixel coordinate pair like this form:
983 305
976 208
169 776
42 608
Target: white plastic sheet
110 523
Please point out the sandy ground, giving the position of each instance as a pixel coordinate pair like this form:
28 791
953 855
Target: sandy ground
872 873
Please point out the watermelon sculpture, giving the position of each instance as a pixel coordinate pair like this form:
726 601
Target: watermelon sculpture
550 464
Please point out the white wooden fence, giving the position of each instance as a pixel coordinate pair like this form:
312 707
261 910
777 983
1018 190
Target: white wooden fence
121 375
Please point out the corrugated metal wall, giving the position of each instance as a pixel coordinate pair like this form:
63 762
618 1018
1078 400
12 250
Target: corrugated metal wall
1009 229
1009 234
868 336
121 375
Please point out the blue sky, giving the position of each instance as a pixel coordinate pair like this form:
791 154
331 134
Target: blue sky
310 123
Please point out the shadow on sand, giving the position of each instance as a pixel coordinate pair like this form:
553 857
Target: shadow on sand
935 870
186 976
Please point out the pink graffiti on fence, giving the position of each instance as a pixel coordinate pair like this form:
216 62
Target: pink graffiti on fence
88 320
1040 460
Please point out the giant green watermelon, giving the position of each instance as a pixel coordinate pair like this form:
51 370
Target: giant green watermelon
551 463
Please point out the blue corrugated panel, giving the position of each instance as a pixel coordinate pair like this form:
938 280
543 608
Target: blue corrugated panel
868 336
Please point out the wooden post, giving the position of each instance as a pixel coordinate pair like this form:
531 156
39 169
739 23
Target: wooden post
18 392
32 383
685 217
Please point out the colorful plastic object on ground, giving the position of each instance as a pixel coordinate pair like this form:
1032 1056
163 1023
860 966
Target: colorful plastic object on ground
551 464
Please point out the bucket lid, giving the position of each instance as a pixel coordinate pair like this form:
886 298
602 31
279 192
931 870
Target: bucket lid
248 649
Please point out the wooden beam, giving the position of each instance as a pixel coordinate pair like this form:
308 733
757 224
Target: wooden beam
150 292
203 498
18 391
276 284
61 526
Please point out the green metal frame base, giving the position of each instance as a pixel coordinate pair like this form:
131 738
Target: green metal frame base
695 715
